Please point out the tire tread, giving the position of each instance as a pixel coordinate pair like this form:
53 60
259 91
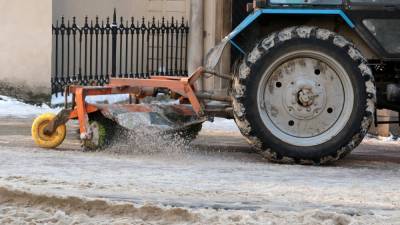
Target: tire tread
263 48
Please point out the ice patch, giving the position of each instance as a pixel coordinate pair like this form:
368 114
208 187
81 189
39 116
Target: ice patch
244 71
304 32
254 55
286 34
340 41
269 42
323 34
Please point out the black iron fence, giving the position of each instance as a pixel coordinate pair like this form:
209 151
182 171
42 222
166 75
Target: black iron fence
92 53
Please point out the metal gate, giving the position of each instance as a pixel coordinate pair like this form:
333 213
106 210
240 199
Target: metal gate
92 53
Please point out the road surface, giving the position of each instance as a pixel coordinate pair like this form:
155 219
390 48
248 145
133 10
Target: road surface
216 180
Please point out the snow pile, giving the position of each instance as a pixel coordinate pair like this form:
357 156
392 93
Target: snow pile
110 99
51 209
11 107
17 207
391 138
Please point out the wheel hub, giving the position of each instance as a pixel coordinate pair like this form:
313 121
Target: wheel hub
304 98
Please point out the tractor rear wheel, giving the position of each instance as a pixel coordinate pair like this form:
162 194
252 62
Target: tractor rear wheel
304 95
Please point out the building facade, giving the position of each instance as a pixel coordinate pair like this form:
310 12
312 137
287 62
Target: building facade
125 8
26 56
26 49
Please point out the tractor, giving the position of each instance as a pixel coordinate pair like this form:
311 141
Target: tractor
305 85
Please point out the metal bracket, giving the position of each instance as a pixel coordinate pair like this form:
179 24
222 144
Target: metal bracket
61 118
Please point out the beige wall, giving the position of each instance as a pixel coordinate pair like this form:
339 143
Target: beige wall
25 43
125 8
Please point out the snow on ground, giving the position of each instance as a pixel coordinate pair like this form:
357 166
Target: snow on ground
174 184
391 138
27 208
210 188
10 107
35 209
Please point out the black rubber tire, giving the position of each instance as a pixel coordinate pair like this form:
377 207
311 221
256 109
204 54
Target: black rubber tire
247 80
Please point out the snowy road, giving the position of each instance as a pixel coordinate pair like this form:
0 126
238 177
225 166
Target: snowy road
215 181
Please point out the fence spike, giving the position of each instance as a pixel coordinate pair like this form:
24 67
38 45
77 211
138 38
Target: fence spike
162 41
115 15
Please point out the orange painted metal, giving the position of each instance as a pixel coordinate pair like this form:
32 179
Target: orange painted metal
182 86
82 113
196 75
89 109
106 90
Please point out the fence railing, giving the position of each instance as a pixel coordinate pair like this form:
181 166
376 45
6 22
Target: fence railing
92 53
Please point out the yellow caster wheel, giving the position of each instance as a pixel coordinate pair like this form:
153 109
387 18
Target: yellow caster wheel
47 141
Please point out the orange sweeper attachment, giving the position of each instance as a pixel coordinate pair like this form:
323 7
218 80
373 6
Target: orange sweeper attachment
97 121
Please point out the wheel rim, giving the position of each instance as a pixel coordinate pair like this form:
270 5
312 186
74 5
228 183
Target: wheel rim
49 138
305 98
